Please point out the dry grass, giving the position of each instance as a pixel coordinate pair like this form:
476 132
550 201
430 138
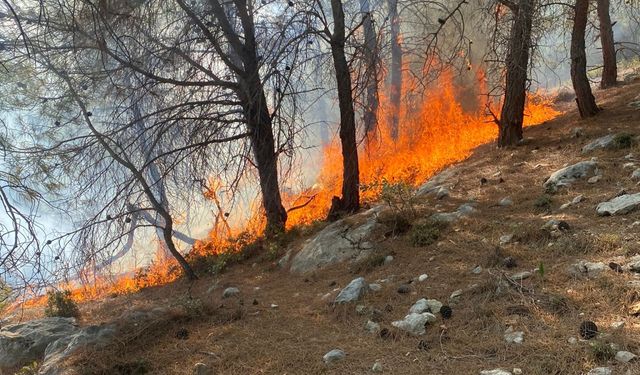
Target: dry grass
240 337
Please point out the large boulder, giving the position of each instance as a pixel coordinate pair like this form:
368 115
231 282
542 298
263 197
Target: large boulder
27 342
619 205
566 175
346 239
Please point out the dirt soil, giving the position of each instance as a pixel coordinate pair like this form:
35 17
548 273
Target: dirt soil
247 336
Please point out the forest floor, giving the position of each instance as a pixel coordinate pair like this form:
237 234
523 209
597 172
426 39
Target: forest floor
246 335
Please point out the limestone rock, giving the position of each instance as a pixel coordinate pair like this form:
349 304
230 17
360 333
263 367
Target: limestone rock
521 275
377 367
603 142
352 292
623 356
636 174
450 217
435 182
372 327
343 240
600 371
513 337
567 175
619 205
23 343
414 323
231 292
505 202
588 269
333 356
423 277
497 371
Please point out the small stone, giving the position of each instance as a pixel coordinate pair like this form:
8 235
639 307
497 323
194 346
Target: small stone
375 287
572 340
476 270
352 292
600 371
404 289
334 355
517 371
419 307
505 202
377 367
618 325
594 179
231 292
509 262
423 277
497 371
202 369
361 309
628 165
625 357
274 306
636 174
521 275
506 239
442 193
456 294
578 199
388 259
513 337
372 327
414 324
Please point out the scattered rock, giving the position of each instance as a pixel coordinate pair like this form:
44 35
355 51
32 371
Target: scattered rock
202 369
377 367
333 356
414 323
578 199
572 340
338 242
455 295
636 174
372 327
497 371
435 182
505 239
594 179
577 132
607 141
625 357
231 292
352 292
620 205
505 202
513 337
565 176
434 305
588 269
476 270
375 287
423 277
450 217
521 275
388 259
419 307
517 371
600 371
617 325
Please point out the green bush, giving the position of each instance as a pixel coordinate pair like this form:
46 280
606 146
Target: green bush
30 369
60 303
426 233
543 202
623 140
602 351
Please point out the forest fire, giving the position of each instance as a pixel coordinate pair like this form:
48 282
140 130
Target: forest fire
434 133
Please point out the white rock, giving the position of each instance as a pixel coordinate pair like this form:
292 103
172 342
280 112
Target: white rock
414 323
578 199
372 327
572 340
584 268
619 205
231 292
456 294
434 305
377 367
419 307
476 270
506 239
628 165
566 175
600 371
334 355
505 202
594 179
497 371
617 325
388 259
423 277
352 292
565 206
517 371
513 337
443 192
521 275
602 142
375 287
274 306
636 174
625 357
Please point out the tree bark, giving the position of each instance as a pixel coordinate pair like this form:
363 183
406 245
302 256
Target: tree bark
610 69
350 201
371 73
517 64
584 97
396 69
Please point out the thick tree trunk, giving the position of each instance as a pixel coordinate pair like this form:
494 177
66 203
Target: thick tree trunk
266 158
517 63
396 69
371 74
584 97
350 201
610 69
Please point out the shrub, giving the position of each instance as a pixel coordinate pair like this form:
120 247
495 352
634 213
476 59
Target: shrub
602 351
60 303
543 202
622 140
426 233
30 369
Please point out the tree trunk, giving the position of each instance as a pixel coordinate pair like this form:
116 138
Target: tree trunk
610 69
350 201
584 97
396 69
371 73
517 63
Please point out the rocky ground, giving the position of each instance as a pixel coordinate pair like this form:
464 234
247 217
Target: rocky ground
495 266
